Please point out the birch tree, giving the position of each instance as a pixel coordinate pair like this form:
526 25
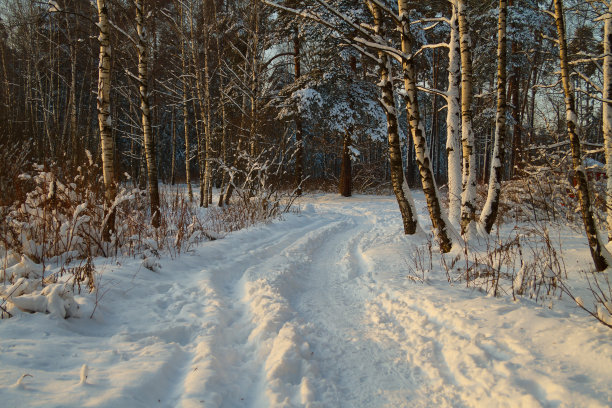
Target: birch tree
599 253
607 111
299 153
207 193
104 117
185 95
489 211
143 86
468 196
438 219
453 121
400 187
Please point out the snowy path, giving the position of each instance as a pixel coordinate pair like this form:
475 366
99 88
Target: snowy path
314 311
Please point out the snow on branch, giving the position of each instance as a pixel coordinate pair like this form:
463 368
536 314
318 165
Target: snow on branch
430 46
433 91
396 18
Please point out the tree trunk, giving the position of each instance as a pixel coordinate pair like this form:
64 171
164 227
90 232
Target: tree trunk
149 143
438 219
74 142
453 123
104 119
238 161
345 168
186 115
433 141
489 212
607 113
299 143
224 141
199 103
468 196
254 79
517 110
599 253
207 130
400 187
173 150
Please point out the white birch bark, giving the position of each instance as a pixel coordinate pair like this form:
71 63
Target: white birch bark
453 122
607 112
185 113
402 193
599 253
438 219
104 116
468 196
489 211
207 130
149 143
199 103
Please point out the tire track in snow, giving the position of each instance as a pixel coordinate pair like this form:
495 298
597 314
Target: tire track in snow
316 316
393 353
230 356
357 369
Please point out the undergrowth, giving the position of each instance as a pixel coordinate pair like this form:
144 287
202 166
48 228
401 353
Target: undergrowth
49 237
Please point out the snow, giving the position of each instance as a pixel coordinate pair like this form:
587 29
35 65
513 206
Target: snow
591 163
306 98
316 310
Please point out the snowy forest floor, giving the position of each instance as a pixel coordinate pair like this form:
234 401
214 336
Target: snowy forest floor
314 310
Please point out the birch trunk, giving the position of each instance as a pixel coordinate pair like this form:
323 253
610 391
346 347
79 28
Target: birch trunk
74 142
607 113
400 187
489 212
173 149
599 253
104 118
207 131
453 122
149 143
254 79
345 167
517 110
438 219
186 115
238 161
199 103
224 141
468 196
299 153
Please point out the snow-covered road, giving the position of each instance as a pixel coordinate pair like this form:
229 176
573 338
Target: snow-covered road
317 311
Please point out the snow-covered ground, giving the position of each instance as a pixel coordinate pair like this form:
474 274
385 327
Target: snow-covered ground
316 310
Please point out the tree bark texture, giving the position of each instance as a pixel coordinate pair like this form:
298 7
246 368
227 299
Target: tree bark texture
345 167
173 149
607 113
222 101
599 252
438 219
453 122
299 142
468 197
199 103
207 129
489 211
186 116
395 154
104 118
149 143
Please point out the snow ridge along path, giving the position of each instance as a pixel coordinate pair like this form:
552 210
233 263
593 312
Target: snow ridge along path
313 311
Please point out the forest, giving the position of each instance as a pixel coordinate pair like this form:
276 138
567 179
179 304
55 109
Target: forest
469 141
